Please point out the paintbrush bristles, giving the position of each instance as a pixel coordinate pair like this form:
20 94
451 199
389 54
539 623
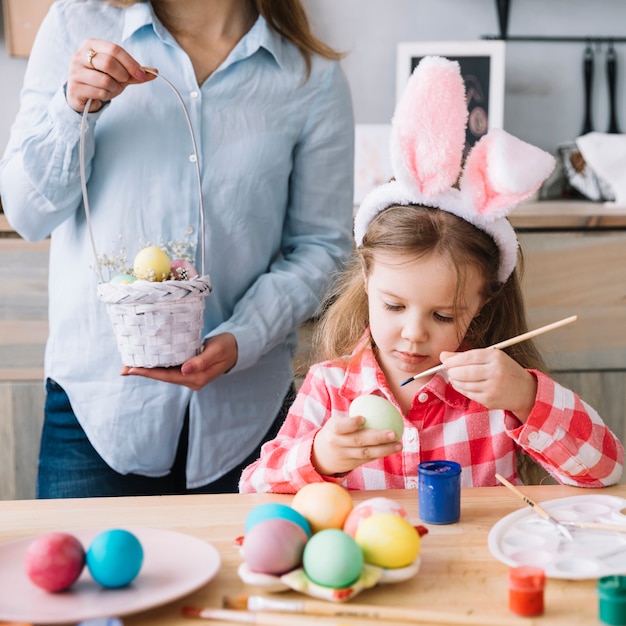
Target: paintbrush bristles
238 603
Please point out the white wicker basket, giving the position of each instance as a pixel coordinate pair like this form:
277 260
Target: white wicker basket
156 324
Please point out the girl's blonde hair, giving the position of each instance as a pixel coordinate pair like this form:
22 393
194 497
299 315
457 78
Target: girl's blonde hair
417 231
286 17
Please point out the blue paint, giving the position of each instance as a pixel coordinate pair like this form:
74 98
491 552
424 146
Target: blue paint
439 492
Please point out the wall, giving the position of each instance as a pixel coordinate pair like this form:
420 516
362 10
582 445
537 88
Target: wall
544 90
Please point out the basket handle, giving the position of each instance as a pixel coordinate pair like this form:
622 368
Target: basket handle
83 178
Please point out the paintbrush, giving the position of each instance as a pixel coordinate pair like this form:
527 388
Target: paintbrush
261 618
536 508
503 344
352 611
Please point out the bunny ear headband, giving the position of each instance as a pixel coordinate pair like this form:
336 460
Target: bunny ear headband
427 141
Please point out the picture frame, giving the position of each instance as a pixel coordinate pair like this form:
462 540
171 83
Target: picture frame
482 67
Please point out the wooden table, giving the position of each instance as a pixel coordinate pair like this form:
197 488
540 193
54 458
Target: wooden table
458 572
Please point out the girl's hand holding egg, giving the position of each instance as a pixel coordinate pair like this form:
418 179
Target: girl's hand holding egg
379 413
372 430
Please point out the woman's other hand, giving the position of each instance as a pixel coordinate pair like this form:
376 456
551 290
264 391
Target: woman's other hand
219 355
100 71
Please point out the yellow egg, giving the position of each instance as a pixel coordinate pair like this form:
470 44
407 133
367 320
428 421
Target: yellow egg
325 505
152 264
388 540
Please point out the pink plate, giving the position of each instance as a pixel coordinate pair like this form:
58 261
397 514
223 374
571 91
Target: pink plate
174 565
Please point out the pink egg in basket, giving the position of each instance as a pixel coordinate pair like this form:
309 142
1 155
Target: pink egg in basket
370 507
182 270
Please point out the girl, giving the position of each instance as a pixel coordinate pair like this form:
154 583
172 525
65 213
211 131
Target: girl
433 280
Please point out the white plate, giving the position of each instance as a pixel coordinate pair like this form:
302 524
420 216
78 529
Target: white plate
523 538
174 565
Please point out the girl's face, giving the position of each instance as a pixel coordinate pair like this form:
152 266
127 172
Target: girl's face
412 319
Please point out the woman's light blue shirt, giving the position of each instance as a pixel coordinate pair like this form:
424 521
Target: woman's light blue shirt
276 155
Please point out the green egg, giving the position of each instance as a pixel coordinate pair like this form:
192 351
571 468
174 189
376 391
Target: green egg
123 279
332 558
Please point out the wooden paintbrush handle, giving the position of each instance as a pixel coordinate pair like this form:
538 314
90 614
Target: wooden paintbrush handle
542 512
618 528
389 614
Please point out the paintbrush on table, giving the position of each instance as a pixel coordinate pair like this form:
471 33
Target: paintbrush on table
352 613
536 508
503 344
563 527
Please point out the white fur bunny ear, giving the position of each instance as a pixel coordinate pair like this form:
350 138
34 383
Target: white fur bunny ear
428 128
501 171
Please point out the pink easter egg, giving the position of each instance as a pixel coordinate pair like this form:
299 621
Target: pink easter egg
182 270
274 546
370 507
54 561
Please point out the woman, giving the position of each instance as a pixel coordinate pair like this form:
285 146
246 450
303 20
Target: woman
272 116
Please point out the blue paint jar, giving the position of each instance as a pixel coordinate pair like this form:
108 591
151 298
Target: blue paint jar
439 492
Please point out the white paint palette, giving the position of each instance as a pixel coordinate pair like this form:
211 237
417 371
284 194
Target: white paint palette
523 538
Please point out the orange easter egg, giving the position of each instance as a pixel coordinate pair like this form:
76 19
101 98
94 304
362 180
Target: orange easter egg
324 505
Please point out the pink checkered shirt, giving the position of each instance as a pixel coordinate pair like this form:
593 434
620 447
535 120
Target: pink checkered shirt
563 434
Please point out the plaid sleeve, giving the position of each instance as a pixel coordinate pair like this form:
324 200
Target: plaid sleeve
285 462
569 439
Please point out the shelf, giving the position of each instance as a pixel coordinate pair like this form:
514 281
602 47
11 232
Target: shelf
568 215
503 9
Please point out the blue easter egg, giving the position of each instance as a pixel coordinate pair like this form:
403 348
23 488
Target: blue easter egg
114 558
272 510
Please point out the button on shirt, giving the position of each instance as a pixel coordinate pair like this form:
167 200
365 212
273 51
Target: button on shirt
276 154
562 433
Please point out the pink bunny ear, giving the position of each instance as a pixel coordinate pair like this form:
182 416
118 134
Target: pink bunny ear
428 128
502 171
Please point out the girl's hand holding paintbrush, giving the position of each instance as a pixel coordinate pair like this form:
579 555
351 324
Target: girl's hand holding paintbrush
493 379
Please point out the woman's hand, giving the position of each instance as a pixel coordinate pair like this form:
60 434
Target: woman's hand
492 378
100 71
219 354
342 445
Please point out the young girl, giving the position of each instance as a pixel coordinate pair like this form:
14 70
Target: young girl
433 280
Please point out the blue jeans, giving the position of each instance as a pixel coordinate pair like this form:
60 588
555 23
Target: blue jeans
69 466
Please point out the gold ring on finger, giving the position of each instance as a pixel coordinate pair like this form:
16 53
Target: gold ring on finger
90 55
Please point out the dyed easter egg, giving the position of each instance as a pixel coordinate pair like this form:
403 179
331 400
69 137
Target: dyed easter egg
123 279
324 505
274 546
388 540
114 558
379 413
54 561
271 510
182 270
332 558
370 507
152 264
